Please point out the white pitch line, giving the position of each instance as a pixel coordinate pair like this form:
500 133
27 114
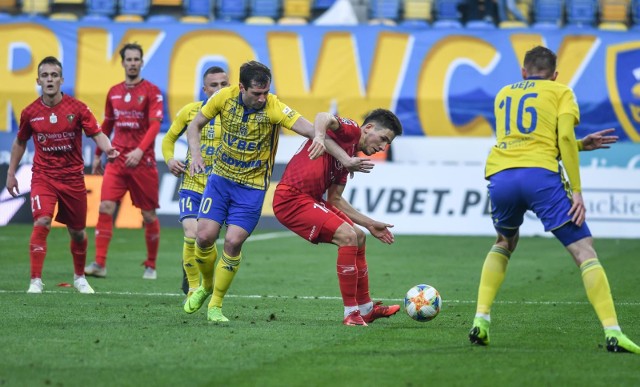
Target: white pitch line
270 235
331 298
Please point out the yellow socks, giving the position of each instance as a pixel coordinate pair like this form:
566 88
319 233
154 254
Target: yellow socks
189 262
598 292
226 269
493 273
205 258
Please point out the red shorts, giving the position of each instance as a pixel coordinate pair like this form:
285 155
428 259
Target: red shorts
314 220
142 182
70 195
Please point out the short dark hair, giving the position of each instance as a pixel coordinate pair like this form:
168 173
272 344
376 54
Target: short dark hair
131 46
52 60
212 70
254 72
386 119
541 61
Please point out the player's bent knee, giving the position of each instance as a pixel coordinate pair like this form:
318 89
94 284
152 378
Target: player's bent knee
77 235
43 221
107 207
345 235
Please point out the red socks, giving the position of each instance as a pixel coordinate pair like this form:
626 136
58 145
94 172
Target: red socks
79 253
347 274
104 231
362 294
38 250
152 237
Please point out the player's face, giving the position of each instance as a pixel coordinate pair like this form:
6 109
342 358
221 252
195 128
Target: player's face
214 82
50 79
375 140
132 63
255 97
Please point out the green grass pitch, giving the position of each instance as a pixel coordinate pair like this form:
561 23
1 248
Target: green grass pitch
286 315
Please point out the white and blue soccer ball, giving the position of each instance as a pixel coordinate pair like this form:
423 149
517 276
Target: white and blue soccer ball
422 303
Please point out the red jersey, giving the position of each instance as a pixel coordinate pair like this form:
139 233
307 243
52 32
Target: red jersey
129 109
314 177
57 136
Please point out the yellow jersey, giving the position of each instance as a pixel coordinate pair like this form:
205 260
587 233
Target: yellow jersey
249 138
209 142
527 124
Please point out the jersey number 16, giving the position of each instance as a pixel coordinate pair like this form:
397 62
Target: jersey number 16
522 111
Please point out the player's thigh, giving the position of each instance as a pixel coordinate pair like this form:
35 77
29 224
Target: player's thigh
43 198
72 204
215 201
143 185
189 203
548 197
245 207
305 216
114 183
508 205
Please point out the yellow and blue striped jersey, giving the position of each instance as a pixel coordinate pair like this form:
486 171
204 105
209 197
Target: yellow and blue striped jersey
527 124
249 137
209 142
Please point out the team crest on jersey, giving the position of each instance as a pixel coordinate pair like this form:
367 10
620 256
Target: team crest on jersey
140 99
41 138
244 130
210 134
53 118
70 117
127 98
623 82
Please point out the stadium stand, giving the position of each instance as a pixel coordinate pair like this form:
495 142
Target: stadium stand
297 9
66 10
134 7
9 7
231 10
447 14
581 13
547 14
263 11
635 14
128 18
63 16
197 10
614 15
100 10
417 13
384 12
320 6
511 21
35 7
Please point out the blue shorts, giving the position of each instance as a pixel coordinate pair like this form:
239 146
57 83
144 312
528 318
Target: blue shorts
225 201
514 191
189 203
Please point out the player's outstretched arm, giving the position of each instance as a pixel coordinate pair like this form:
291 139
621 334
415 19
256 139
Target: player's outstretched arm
597 140
103 142
17 151
379 230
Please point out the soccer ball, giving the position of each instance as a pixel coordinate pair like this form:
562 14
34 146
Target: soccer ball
422 303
